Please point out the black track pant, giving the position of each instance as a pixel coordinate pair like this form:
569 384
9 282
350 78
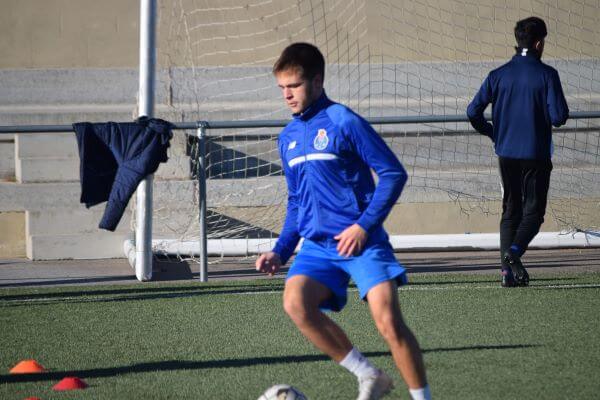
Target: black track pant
525 184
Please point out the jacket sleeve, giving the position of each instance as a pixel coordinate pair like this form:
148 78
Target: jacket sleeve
289 237
141 146
557 105
477 107
372 149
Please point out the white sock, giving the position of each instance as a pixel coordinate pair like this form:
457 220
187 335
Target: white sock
358 364
421 393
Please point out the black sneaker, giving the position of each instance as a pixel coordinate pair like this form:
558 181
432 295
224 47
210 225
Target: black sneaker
519 272
508 279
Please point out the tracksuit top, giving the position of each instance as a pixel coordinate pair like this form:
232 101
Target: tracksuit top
527 99
327 153
115 157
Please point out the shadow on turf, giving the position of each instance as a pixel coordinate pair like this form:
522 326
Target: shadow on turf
163 271
176 365
154 293
141 293
412 267
35 282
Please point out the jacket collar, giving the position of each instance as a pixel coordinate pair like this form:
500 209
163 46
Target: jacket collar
526 54
319 104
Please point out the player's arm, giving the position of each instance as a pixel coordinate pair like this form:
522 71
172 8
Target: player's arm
477 107
289 237
557 104
373 150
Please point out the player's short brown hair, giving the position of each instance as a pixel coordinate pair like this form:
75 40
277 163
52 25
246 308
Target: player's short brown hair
304 57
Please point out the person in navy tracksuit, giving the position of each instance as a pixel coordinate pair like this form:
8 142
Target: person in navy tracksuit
527 100
328 152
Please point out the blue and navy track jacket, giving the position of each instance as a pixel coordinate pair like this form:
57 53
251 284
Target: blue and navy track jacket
327 154
527 99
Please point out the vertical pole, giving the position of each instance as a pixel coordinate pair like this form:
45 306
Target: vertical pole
143 231
201 171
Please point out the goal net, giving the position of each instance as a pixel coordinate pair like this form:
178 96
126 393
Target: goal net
384 58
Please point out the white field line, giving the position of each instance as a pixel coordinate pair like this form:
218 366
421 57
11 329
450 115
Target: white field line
461 287
253 293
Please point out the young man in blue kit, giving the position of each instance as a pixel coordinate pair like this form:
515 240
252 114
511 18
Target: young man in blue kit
327 152
527 100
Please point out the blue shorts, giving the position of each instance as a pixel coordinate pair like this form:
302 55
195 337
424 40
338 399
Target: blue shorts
321 262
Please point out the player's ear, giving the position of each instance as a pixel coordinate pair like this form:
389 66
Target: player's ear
539 46
318 81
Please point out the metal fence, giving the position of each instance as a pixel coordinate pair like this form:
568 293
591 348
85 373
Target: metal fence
201 128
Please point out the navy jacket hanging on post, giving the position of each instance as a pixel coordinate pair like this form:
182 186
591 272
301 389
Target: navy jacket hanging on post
115 157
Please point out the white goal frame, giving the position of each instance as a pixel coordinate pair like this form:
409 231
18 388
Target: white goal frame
245 247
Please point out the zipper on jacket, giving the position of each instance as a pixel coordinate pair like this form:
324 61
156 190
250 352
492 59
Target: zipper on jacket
310 181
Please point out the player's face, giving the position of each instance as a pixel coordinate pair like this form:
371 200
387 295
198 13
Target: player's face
298 92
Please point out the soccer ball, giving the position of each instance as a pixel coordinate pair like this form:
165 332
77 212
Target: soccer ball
282 392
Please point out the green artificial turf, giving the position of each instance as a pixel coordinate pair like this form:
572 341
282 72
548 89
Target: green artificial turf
232 340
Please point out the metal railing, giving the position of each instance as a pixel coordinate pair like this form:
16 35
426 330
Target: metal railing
417 119
201 128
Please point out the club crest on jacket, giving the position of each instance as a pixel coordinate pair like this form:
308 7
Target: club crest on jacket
321 140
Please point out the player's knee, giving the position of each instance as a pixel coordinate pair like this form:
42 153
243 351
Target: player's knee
385 325
296 308
391 329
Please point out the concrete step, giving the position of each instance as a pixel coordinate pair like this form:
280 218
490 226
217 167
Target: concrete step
85 221
12 234
62 221
49 157
63 116
66 195
65 169
7 158
60 145
69 113
54 157
39 196
77 85
78 246
424 186
38 169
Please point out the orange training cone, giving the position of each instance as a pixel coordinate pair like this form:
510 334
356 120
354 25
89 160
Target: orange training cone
33 398
70 383
27 367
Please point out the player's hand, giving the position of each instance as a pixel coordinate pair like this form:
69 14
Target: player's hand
351 241
268 263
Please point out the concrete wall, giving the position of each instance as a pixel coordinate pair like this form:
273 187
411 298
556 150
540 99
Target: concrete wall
12 235
98 34
66 33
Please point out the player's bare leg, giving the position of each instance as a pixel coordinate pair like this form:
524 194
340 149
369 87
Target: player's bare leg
385 309
301 298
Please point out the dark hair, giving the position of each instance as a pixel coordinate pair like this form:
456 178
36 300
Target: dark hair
304 57
530 30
